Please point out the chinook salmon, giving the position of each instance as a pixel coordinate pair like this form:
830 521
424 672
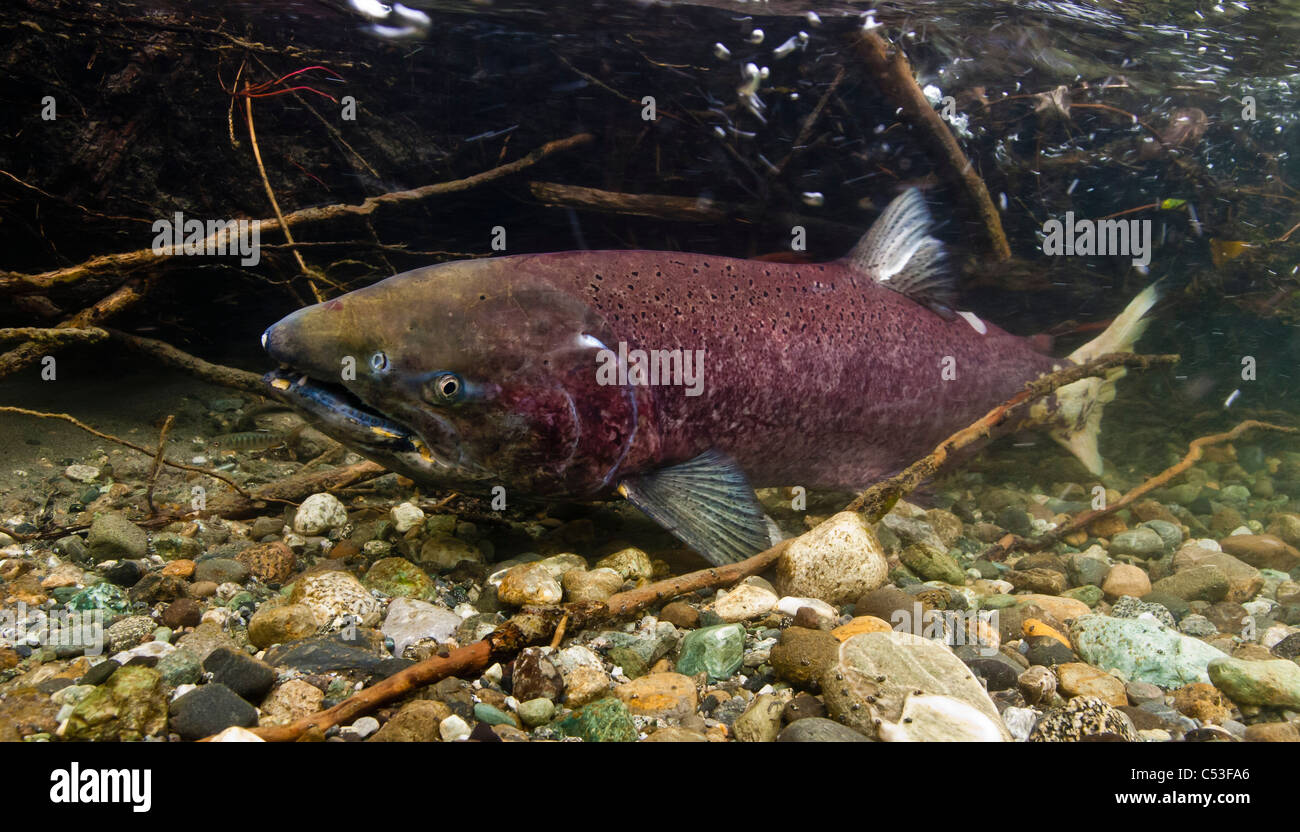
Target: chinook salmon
678 381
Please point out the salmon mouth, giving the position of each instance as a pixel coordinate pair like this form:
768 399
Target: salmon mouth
338 410
341 414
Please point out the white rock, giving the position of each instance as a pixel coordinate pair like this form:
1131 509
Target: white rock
1020 721
453 728
410 620
838 562
744 602
406 516
363 727
81 473
935 718
584 675
236 734
791 604
150 649
318 514
1274 634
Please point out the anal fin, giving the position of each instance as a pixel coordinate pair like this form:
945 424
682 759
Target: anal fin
707 503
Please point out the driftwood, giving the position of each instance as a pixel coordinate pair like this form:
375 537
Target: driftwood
879 498
532 625
1195 450
134 290
894 75
217 374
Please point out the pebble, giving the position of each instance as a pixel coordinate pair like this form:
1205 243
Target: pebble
1078 679
208 709
932 564
1141 649
183 612
278 625
718 651
661 695
761 721
221 571
584 675
240 672
453 729
406 516
837 562
529 583
536 712
1273 682
410 620
318 514
605 720
744 602
1126 579
335 599
1140 542
535 677
113 536
596 585
290 701
417 721
1083 717
271 562
630 563
680 614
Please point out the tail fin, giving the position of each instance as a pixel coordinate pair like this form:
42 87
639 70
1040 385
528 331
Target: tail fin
1079 405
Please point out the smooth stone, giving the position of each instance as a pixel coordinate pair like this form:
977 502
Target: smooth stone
290 701
933 718
837 562
1273 682
536 712
209 709
630 563
932 564
399 578
1196 583
410 620
660 695
1078 679
605 720
718 651
1126 579
1263 551
529 583
890 667
744 602
113 536
1143 650
1139 542
535 676
596 585
279 625
318 514
240 672
585 679
336 599
818 729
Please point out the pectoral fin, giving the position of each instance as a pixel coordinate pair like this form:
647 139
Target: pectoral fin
707 503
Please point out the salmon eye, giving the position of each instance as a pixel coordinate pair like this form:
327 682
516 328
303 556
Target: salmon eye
378 361
448 387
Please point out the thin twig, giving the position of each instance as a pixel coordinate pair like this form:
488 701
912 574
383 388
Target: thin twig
157 463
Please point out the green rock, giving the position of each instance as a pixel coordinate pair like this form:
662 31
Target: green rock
493 715
999 602
625 657
717 650
131 705
932 564
180 667
442 552
1142 650
1088 594
112 536
1140 542
605 720
399 578
537 711
1270 682
105 596
169 546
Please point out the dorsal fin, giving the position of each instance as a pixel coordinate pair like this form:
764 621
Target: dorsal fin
898 252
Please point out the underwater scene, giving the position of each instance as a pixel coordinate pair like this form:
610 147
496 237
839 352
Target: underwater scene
616 371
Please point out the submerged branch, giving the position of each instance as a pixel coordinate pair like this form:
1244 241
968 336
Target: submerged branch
895 77
879 498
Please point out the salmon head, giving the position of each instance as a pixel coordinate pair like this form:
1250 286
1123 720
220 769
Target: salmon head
464 375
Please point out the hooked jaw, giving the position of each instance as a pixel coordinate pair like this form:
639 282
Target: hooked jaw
340 413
